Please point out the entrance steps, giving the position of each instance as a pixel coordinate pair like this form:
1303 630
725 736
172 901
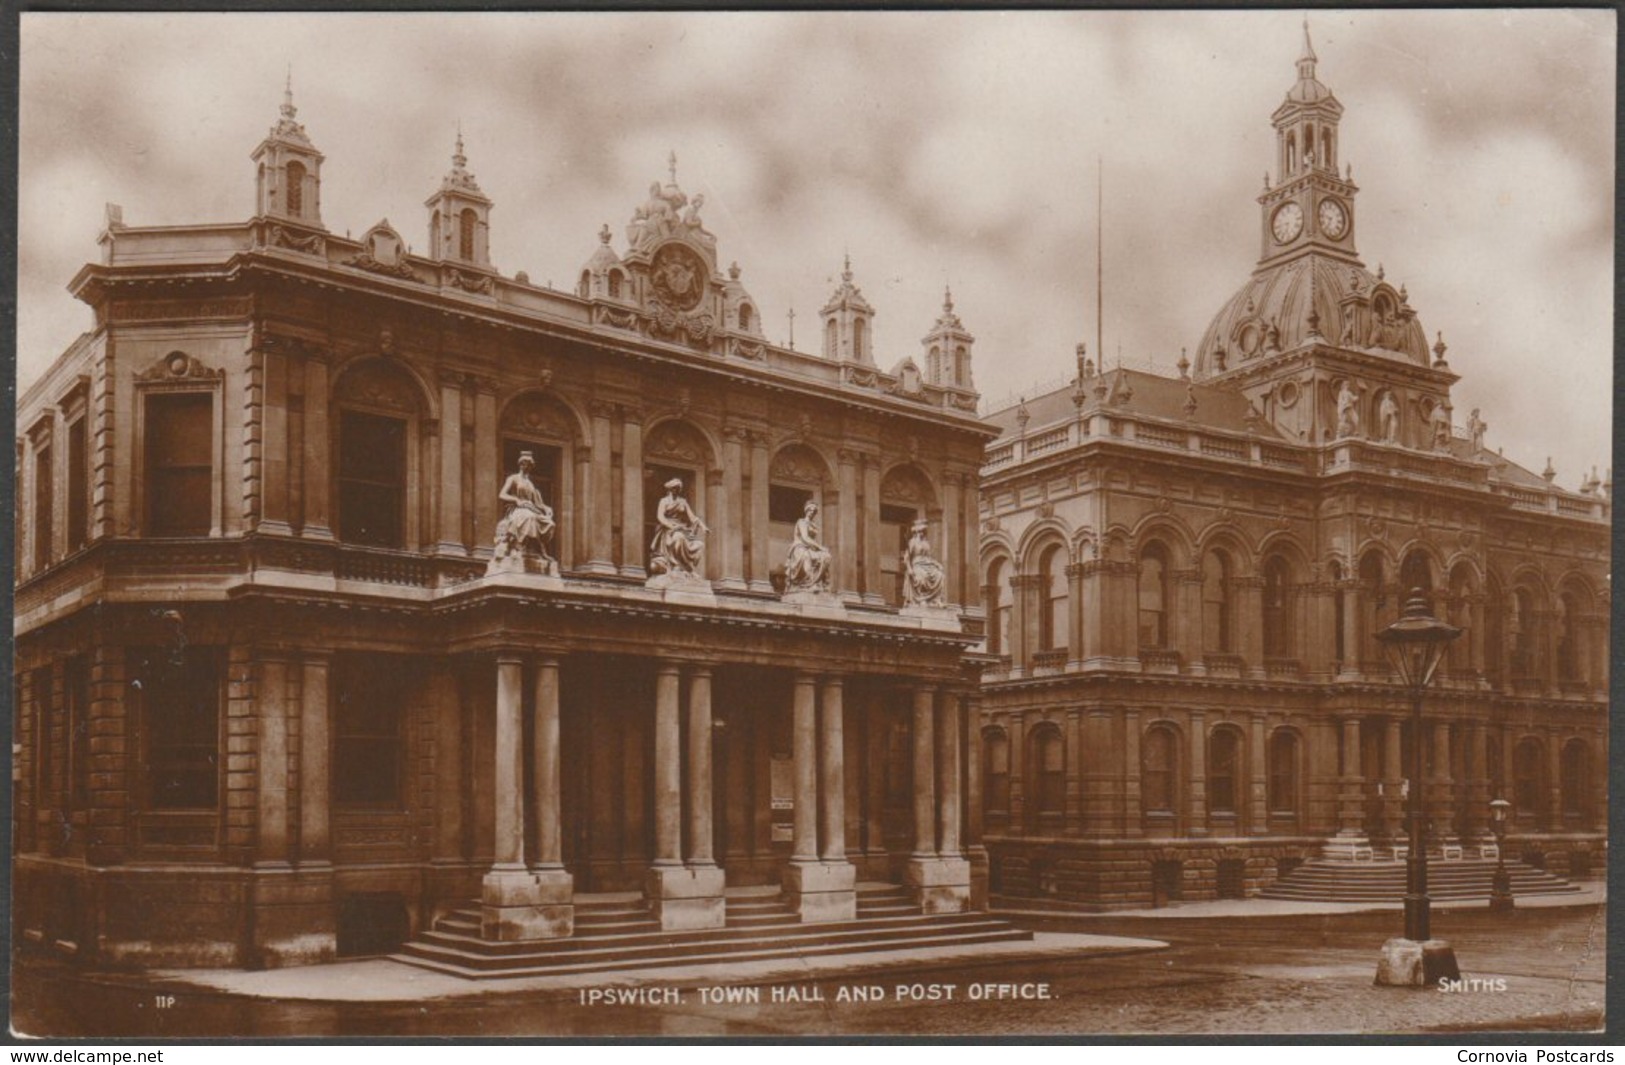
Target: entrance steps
1329 880
614 933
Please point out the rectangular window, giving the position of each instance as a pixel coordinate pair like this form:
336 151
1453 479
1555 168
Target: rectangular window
180 696
44 505
78 485
372 479
79 733
1221 781
370 698
180 463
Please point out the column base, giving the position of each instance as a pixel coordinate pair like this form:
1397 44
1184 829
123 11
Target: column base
940 885
1408 963
822 891
517 905
683 897
293 917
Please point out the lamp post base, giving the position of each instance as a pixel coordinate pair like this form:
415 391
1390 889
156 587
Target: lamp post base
1501 891
1408 963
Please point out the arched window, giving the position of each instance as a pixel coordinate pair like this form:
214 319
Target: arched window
378 408
1277 616
1218 628
1158 762
1000 600
1526 782
1523 629
745 317
1291 154
614 284
1373 605
1283 772
1053 621
832 339
1223 770
1154 596
1576 782
996 771
1568 637
466 221
961 367
1308 146
1328 158
1048 769
860 339
1416 572
294 198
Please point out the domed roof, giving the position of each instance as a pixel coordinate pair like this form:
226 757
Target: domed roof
1311 299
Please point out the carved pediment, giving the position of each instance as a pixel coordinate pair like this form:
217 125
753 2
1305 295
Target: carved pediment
383 252
179 366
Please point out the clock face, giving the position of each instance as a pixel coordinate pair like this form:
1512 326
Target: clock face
1334 221
1287 222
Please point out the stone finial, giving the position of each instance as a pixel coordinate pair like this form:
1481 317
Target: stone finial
1550 472
1190 400
671 165
1184 365
289 111
1022 414
1082 353
733 270
846 268
1439 349
604 234
1380 274
947 300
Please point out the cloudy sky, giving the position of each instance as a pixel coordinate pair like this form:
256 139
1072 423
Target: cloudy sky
935 148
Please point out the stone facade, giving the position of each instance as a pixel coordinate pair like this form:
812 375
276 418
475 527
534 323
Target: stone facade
276 701
1184 577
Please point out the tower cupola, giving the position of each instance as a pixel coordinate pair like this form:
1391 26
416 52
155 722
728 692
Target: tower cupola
460 216
947 348
288 183
848 322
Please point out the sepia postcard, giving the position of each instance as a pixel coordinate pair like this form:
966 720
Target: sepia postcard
797 525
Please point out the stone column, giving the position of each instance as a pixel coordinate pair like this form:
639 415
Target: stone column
554 912
314 833
846 540
1441 826
1249 621
940 881
1475 632
1198 774
699 767
803 711
761 548
878 738
975 851
599 532
1075 616
1554 779
1478 782
948 741
949 547
318 495
272 764
668 765
449 536
1072 808
510 896
832 773
684 895
632 495
819 883
449 763
1133 820
729 520
1258 763
1350 801
1354 637
487 467
873 593
1393 805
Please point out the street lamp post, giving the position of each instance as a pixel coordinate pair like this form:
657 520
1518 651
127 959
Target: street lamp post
1415 645
1501 882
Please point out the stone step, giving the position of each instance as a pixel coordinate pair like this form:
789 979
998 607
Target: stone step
1320 880
558 965
656 937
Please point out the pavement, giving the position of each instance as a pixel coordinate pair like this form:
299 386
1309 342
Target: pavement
384 980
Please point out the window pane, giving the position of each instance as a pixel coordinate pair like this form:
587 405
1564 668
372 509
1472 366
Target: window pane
179 440
182 713
370 699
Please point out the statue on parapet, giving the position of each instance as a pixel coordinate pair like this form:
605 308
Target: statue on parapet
923 577
526 525
1348 411
678 548
806 568
1388 418
1442 427
1476 427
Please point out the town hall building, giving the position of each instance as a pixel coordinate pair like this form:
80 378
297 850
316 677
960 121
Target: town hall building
1185 577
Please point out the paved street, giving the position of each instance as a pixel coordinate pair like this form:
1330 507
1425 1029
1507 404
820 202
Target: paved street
1288 973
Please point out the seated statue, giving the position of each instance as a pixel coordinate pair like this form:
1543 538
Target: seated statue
678 547
806 568
527 521
922 574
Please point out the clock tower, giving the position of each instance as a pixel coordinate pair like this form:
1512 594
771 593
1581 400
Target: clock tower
1309 207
